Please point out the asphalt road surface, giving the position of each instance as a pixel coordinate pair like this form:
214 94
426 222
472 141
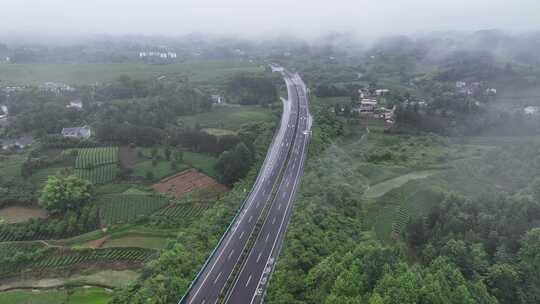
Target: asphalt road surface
211 281
251 283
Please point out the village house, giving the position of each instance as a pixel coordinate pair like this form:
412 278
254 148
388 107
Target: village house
381 92
75 104
491 91
3 111
365 106
11 89
158 54
217 99
531 110
83 132
57 89
17 143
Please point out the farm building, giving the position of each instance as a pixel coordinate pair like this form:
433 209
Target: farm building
19 143
79 132
217 99
75 104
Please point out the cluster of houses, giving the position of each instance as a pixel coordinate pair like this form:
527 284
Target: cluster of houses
81 133
531 110
474 88
368 106
56 88
158 54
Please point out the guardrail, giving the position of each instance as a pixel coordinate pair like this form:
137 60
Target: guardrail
240 210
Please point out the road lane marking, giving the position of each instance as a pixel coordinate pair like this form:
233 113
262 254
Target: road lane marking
274 220
217 278
230 254
266 240
259 256
249 280
280 151
279 207
250 218
241 235
294 187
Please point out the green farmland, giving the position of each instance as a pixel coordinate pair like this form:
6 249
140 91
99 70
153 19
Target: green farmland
80 74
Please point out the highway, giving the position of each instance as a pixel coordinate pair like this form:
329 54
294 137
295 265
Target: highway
251 283
210 283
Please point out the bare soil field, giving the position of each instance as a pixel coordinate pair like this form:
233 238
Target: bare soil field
189 181
18 214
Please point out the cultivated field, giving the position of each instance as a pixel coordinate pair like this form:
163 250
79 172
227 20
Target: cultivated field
98 165
189 181
19 214
199 72
92 157
183 211
116 209
62 258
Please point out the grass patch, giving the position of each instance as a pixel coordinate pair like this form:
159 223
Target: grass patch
30 297
113 188
134 240
202 162
80 295
219 132
382 188
228 117
39 178
89 296
10 166
161 169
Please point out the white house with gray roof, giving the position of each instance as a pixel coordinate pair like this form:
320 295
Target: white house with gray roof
83 132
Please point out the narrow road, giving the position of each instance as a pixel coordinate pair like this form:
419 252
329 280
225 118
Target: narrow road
210 282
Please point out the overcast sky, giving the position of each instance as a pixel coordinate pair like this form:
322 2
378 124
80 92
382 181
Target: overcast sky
254 17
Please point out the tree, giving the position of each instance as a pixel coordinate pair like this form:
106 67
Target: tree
63 193
504 283
167 153
234 164
529 255
154 152
174 166
179 155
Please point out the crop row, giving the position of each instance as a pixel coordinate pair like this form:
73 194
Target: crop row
115 209
183 211
9 234
59 258
8 249
100 174
91 157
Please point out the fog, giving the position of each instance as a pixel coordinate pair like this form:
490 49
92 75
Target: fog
368 18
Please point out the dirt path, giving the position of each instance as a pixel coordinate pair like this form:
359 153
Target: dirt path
381 189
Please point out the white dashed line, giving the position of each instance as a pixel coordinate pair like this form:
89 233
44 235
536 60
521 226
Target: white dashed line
217 278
